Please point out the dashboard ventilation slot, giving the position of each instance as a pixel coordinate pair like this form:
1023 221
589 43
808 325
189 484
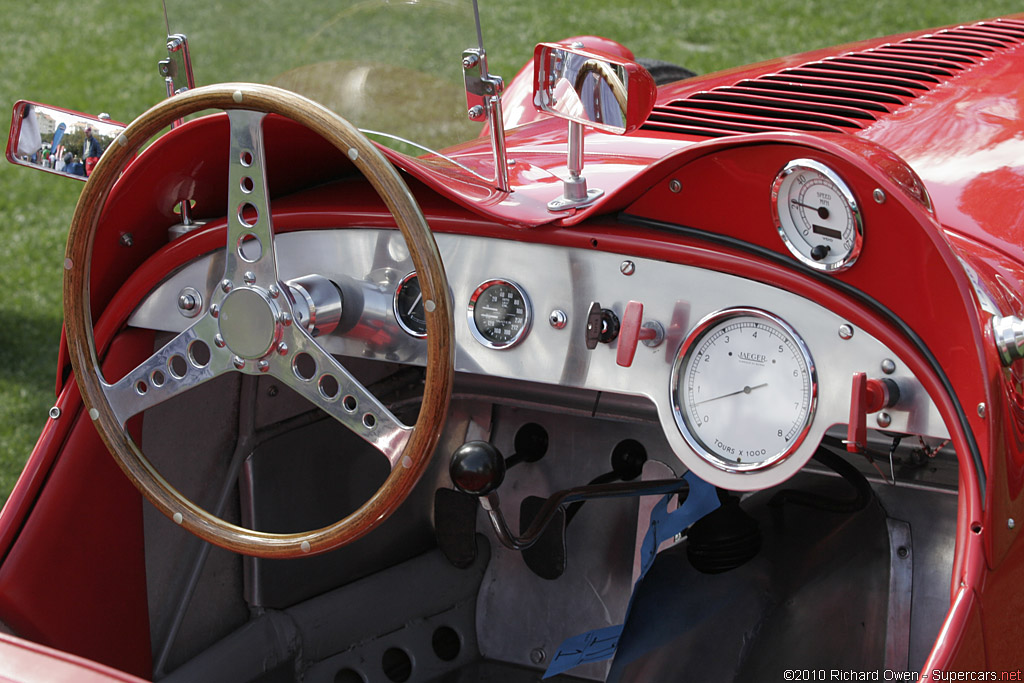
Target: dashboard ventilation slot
838 94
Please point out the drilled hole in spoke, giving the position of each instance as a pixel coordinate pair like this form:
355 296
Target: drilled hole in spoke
250 249
199 353
245 158
248 215
304 366
247 184
141 388
329 387
177 366
369 420
156 378
350 403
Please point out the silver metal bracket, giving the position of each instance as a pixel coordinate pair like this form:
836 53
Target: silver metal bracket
483 103
574 189
177 68
178 77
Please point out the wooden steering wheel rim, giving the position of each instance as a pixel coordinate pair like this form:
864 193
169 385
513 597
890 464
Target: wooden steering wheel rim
430 271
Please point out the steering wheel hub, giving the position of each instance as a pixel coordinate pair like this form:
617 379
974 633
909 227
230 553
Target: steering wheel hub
248 322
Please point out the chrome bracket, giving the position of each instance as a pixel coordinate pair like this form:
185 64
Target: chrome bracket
483 102
178 77
177 68
574 189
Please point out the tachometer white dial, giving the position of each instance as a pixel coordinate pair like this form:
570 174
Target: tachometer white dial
743 389
817 215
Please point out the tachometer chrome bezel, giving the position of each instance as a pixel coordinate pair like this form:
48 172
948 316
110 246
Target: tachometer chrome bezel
680 367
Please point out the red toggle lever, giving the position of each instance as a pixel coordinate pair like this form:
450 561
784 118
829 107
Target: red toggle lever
868 396
631 332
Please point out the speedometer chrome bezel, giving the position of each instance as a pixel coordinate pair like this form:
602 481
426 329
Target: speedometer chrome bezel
523 330
789 231
679 371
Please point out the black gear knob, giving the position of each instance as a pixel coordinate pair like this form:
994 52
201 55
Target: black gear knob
477 468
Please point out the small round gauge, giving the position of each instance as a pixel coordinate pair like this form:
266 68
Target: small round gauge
499 314
408 306
817 215
743 389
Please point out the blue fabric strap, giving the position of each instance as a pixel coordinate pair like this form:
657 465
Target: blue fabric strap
600 644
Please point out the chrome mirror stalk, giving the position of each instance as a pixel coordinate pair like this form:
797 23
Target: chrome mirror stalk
178 77
483 100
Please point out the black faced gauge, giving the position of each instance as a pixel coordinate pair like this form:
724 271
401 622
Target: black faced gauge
817 215
499 314
743 389
408 306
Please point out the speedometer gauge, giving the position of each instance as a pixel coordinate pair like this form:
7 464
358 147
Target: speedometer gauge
817 215
743 389
499 314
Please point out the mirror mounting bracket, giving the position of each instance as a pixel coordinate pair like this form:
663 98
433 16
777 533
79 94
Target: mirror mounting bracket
574 188
178 77
483 99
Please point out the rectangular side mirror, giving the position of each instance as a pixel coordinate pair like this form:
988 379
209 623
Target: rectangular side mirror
592 88
56 140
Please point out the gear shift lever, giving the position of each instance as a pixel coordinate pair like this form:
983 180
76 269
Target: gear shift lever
478 468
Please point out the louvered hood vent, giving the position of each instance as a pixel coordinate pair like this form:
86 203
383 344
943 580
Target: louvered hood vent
839 94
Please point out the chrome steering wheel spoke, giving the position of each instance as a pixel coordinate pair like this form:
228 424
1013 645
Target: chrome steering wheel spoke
187 361
317 376
250 258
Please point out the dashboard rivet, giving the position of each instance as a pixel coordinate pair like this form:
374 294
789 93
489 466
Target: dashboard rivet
285 318
558 319
225 286
238 362
263 366
879 195
1010 523
249 277
627 267
275 291
54 413
888 366
981 410
214 310
219 341
675 186
846 331
884 420
282 348
537 655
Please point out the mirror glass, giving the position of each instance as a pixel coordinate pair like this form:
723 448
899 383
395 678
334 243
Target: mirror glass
592 88
57 140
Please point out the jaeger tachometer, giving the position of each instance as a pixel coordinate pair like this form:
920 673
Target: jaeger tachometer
817 215
743 389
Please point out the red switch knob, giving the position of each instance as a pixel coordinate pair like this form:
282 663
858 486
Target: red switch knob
631 332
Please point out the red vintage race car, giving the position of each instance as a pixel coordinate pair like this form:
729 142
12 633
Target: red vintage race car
651 377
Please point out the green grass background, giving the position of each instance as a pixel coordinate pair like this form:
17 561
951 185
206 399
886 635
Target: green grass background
101 56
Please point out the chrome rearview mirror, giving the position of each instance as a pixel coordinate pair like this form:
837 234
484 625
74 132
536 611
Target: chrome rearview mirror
592 88
56 140
588 88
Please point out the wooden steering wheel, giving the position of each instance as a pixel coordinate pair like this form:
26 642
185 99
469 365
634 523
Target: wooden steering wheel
250 324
